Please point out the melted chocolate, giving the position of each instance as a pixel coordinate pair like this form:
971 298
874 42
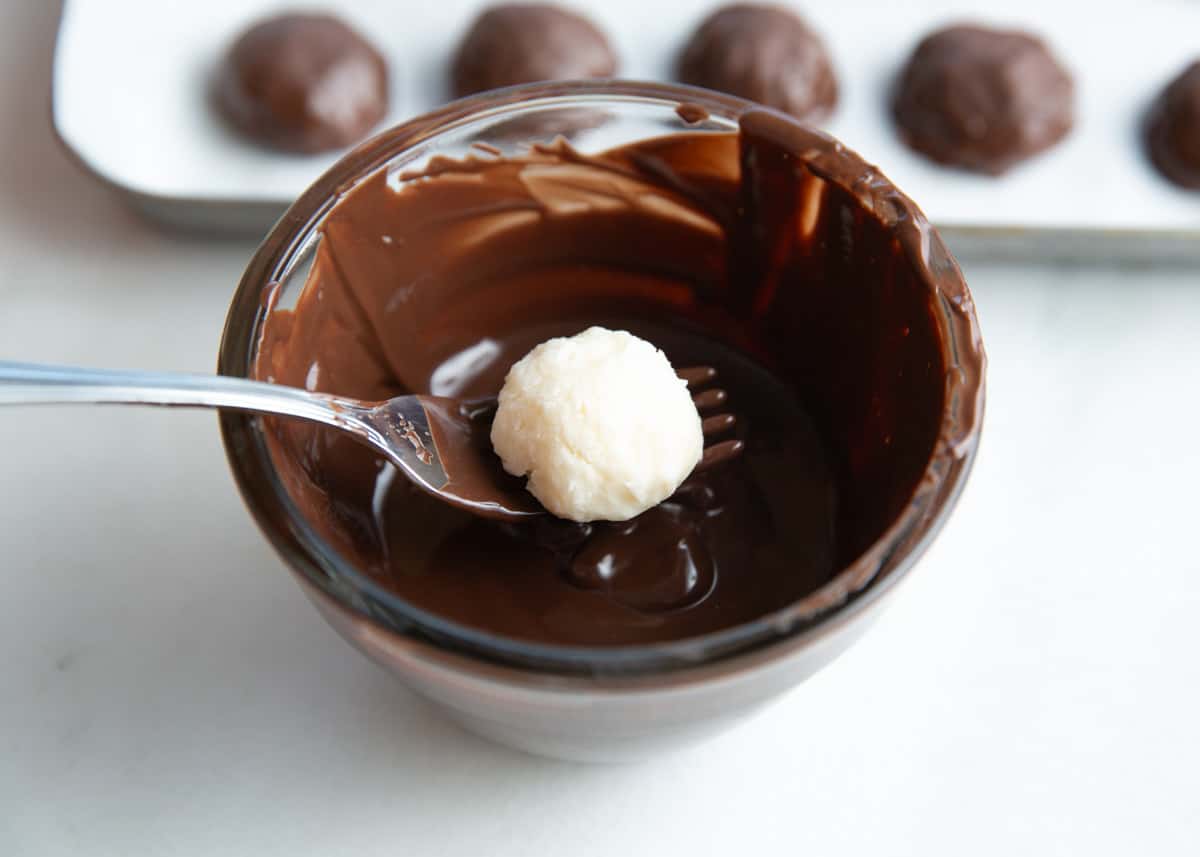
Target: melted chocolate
1173 129
982 99
692 114
302 83
724 250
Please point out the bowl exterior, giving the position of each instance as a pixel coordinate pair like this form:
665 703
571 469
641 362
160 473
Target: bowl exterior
603 712
593 720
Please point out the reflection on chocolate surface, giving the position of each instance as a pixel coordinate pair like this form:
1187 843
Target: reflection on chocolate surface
763 53
513 43
723 249
1173 129
982 99
302 83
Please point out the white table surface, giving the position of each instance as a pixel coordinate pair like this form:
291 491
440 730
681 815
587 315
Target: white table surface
166 689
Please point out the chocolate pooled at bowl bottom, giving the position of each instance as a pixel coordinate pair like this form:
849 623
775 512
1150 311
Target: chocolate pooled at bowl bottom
842 329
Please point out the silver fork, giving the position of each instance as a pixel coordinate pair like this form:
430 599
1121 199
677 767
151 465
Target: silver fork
439 443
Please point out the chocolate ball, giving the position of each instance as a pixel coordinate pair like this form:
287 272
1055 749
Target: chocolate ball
766 54
302 83
982 99
1173 129
526 42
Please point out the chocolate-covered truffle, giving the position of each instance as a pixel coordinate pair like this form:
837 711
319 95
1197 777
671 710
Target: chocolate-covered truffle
302 83
1173 129
526 42
766 54
982 99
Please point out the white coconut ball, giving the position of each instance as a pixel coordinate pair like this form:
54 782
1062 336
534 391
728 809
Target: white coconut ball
600 424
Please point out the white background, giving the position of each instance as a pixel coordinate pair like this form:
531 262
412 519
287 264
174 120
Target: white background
165 688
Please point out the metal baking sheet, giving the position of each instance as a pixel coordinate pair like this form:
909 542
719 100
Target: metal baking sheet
130 102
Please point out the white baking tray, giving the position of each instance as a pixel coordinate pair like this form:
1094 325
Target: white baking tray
130 102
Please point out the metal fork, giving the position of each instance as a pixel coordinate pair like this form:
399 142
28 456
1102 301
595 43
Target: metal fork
441 444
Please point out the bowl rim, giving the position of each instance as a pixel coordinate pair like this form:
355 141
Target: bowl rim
851 590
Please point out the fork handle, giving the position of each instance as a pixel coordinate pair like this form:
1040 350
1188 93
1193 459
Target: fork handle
38 384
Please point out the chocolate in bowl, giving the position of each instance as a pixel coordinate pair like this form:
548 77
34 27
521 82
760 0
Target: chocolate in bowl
841 327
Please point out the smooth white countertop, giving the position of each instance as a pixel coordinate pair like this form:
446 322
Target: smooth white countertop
166 689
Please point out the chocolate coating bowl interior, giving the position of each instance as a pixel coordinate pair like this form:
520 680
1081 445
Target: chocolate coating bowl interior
787 249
